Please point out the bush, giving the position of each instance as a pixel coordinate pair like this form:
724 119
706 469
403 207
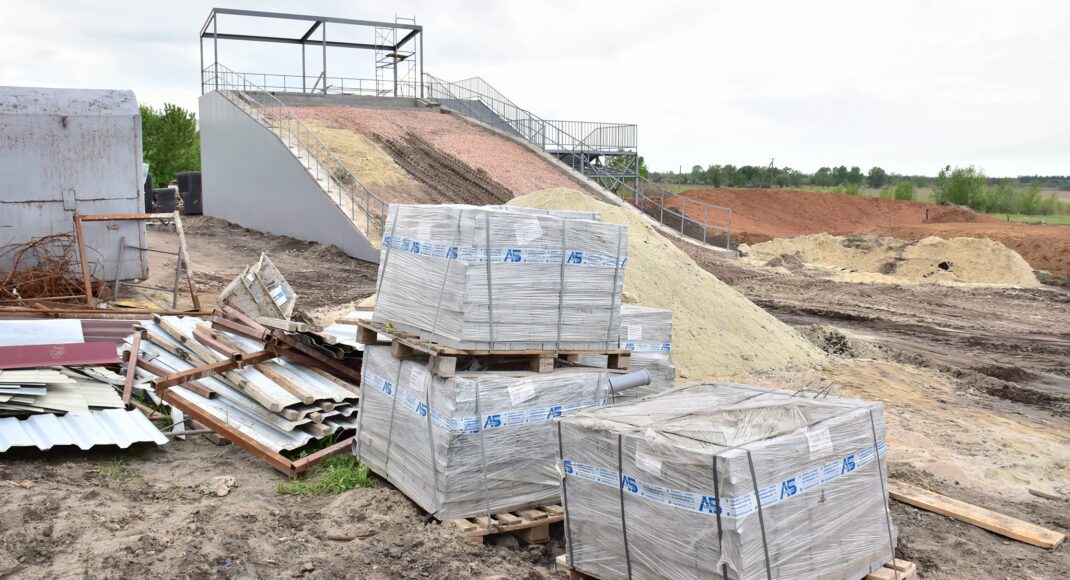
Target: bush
962 186
850 189
905 191
887 192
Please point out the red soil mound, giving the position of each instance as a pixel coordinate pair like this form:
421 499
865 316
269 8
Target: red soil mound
762 214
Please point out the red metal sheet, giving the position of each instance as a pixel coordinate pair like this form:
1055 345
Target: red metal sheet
44 355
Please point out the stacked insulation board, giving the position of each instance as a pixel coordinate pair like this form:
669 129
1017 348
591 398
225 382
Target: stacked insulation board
474 444
480 278
647 333
726 481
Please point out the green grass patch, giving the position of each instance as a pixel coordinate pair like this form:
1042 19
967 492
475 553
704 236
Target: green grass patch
1048 219
335 475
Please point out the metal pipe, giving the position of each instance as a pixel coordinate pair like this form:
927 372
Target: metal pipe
215 48
619 383
325 58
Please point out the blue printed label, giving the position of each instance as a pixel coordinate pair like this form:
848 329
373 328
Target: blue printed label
474 255
728 507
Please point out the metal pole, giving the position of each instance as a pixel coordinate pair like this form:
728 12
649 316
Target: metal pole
325 58
421 38
215 48
303 75
200 41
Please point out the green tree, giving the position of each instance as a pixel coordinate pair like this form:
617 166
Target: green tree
904 190
839 175
855 177
170 142
823 177
961 185
877 177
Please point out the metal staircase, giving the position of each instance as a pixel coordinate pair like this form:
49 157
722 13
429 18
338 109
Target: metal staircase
364 209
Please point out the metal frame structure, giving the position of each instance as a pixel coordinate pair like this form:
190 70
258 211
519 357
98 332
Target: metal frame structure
395 43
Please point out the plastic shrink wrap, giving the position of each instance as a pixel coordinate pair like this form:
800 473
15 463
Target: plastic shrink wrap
472 444
647 333
480 278
725 480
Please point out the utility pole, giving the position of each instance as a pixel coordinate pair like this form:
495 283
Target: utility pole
771 160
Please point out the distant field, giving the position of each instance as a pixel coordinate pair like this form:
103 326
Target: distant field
1050 219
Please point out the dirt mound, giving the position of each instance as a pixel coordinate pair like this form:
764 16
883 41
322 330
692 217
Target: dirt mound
716 331
1045 247
955 214
763 214
512 165
932 259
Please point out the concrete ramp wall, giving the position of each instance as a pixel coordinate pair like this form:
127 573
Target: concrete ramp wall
251 178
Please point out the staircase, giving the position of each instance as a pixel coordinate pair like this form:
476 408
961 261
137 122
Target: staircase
363 208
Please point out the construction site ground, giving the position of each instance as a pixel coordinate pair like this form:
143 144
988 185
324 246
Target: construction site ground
974 380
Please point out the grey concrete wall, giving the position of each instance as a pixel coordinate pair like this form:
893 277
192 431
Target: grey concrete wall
250 178
70 150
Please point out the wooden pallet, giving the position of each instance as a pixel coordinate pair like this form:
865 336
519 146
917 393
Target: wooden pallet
906 571
443 359
531 525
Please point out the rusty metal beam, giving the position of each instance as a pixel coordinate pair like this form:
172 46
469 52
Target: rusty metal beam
238 328
213 342
159 371
325 362
229 432
108 217
305 463
166 382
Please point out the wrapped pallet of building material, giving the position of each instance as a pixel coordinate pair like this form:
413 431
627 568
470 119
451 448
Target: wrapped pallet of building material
720 480
647 333
487 279
474 444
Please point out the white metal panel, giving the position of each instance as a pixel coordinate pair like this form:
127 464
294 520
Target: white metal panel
68 150
250 178
85 429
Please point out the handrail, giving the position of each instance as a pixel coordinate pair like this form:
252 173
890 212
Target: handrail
289 128
682 216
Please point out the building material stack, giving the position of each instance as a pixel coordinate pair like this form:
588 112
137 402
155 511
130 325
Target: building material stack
487 279
647 333
722 480
478 306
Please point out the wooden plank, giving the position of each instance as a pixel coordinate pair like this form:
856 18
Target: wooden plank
80 237
996 522
508 519
533 514
282 381
183 252
131 367
282 324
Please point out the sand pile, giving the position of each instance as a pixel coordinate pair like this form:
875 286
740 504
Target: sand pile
866 257
716 330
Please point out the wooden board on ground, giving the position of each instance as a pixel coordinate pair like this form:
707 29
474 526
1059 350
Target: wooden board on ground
443 359
895 570
996 522
531 525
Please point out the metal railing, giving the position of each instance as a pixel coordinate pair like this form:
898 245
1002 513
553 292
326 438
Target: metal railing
684 215
553 136
319 85
337 181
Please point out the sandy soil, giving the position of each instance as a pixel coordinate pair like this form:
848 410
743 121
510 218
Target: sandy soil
1045 247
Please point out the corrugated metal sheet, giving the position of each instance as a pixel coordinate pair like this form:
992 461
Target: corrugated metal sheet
84 429
43 355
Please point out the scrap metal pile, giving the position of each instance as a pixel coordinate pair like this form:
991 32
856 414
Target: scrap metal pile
55 389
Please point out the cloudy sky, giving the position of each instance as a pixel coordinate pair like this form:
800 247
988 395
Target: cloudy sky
909 85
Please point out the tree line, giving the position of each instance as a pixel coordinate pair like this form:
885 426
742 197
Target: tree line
961 185
170 142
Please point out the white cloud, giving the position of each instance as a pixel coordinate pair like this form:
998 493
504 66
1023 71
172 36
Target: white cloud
908 85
